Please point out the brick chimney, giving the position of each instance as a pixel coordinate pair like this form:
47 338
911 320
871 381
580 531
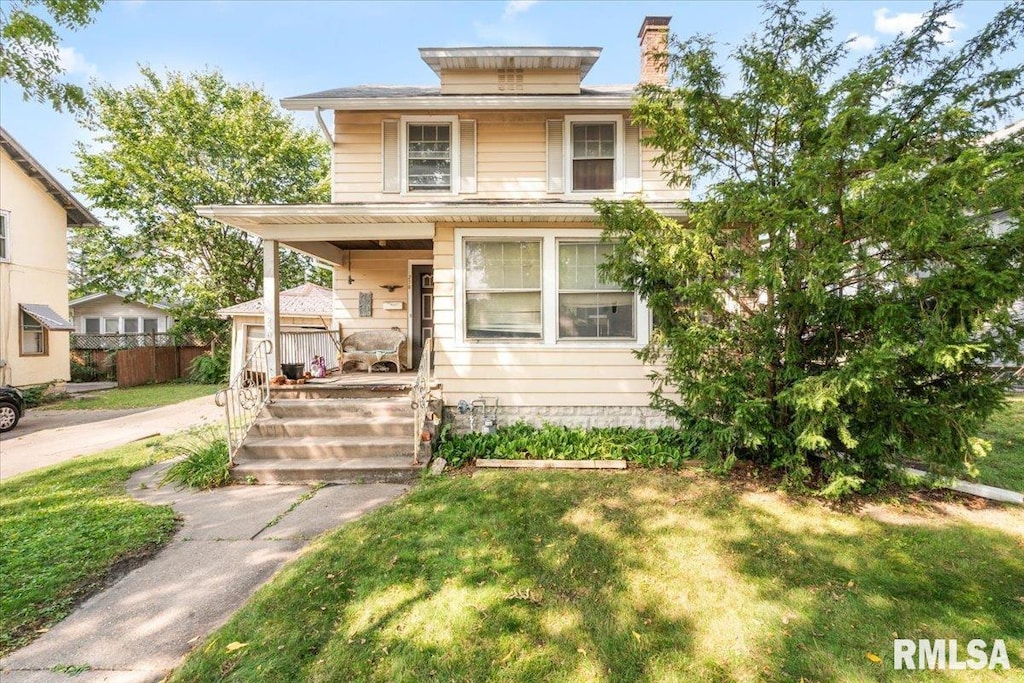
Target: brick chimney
653 45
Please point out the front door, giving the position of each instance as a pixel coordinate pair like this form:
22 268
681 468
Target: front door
422 309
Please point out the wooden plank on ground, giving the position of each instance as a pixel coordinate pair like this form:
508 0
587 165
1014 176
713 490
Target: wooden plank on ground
553 464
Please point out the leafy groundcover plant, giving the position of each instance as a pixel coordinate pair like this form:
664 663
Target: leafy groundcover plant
650 447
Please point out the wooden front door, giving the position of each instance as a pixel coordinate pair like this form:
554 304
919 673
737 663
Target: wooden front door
422 309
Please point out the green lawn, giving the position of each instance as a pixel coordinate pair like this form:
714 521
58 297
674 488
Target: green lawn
146 396
638 576
64 528
1004 466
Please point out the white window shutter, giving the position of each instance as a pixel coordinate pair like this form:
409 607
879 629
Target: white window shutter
467 156
390 157
556 156
631 163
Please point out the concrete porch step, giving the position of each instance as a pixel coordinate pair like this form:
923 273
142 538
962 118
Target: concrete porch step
316 392
325 447
345 425
391 469
339 408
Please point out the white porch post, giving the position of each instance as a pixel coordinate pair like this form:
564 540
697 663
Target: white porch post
272 304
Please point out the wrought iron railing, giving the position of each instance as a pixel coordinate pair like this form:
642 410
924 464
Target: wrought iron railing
244 399
420 396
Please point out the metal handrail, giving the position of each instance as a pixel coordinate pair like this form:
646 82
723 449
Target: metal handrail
244 399
420 396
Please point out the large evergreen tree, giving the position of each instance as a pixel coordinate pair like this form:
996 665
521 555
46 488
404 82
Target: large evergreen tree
171 143
834 301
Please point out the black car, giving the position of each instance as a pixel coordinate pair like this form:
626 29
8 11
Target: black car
12 407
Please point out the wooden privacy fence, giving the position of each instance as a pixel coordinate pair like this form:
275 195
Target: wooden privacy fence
155 364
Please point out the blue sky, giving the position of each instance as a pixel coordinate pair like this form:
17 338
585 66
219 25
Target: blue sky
290 48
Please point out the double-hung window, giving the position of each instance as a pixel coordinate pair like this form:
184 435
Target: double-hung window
429 157
588 306
503 289
33 336
593 156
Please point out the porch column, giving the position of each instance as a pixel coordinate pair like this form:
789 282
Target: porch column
272 304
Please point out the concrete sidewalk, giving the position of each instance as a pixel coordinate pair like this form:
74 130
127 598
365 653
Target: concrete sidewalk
50 446
232 541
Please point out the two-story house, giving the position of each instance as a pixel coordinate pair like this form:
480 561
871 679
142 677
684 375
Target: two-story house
35 213
462 212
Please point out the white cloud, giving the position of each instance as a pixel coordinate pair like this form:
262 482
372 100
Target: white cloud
861 42
508 30
73 63
514 7
905 22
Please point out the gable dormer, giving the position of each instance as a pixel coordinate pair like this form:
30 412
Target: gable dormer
510 70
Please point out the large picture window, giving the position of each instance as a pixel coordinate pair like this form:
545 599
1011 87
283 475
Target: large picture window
589 307
33 336
593 157
503 289
429 157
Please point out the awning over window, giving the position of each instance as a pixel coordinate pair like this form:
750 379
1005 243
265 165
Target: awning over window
47 317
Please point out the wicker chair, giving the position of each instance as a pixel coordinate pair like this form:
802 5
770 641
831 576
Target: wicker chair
373 346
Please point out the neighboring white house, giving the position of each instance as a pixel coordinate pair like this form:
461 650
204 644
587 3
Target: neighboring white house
114 314
304 309
35 213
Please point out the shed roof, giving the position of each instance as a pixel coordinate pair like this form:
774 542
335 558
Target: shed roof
305 300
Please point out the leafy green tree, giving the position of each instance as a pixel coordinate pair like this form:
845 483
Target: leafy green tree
832 305
30 52
168 144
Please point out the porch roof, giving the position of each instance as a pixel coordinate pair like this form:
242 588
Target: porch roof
258 218
324 231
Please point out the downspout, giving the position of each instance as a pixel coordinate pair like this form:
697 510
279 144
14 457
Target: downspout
323 126
330 141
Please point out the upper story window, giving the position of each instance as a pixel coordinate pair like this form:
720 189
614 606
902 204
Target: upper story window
593 157
429 156
5 218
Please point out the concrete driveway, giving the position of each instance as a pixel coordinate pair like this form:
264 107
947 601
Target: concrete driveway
63 437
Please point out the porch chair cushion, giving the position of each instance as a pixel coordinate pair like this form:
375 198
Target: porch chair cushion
373 346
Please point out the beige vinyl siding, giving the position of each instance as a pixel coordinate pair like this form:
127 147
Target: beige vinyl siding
369 270
525 374
525 82
511 157
655 187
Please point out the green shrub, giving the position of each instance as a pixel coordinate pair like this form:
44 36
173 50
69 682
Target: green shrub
663 447
206 464
80 372
37 395
211 368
